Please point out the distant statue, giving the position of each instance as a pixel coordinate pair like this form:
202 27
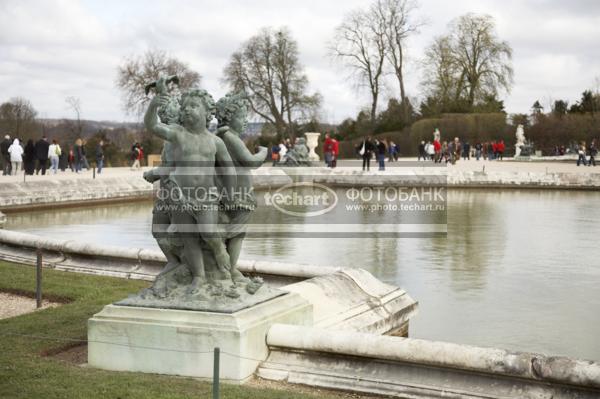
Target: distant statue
520 134
436 134
299 155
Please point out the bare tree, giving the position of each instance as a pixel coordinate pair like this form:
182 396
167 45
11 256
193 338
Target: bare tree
443 78
267 68
360 45
136 72
18 117
484 58
399 24
74 104
469 65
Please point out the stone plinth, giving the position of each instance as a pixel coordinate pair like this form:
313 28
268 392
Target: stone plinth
181 342
312 141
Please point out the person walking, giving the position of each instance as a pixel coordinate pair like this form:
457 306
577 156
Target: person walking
41 153
437 148
63 160
84 161
283 149
100 156
430 151
466 151
381 151
328 150
457 149
6 166
54 152
275 153
396 151
141 155
501 148
134 156
335 151
593 152
421 150
78 155
16 156
366 152
29 157
71 160
581 152
478 148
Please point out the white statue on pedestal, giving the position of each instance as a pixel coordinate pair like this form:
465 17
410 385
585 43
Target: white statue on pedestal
436 134
312 141
520 140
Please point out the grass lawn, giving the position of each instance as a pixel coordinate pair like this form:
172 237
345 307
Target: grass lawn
26 373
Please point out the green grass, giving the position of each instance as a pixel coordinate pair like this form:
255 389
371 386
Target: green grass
26 373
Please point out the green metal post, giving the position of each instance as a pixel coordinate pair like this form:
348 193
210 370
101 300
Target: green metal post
216 374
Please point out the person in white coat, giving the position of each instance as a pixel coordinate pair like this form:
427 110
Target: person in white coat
282 151
54 152
16 156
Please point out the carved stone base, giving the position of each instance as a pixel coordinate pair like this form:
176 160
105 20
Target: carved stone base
181 342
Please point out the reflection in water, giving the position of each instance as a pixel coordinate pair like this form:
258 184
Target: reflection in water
518 269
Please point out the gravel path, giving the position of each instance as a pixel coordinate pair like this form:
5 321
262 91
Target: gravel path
14 305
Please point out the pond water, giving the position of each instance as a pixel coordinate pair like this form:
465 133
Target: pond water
518 269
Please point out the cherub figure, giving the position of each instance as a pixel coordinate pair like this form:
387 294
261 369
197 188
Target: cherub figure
192 186
232 115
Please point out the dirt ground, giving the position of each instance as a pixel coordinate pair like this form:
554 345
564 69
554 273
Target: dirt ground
12 305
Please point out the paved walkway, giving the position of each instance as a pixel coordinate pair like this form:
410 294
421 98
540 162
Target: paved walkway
491 166
68 175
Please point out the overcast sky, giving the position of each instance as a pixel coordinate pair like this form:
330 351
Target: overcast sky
51 49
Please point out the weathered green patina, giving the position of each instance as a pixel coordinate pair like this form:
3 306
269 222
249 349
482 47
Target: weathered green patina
203 204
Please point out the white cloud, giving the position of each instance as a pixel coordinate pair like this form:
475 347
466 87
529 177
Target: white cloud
53 49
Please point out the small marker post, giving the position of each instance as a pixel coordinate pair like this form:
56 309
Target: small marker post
38 279
216 374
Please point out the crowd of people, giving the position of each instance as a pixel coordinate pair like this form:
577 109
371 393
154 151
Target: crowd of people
583 151
43 155
380 149
452 151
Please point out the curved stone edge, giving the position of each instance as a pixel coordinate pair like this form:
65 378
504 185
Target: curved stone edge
134 263
452 178
73 192
367 305
291 343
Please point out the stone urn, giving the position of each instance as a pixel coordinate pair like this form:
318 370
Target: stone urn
312 141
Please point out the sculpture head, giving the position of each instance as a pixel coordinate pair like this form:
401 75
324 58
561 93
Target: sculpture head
232 111
197 106
170 113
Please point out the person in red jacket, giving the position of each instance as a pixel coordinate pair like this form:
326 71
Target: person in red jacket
335 150
501 148
437 148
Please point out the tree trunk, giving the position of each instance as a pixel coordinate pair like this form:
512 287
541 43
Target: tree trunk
374 107
400 76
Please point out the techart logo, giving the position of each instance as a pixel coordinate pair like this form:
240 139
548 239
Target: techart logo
305 199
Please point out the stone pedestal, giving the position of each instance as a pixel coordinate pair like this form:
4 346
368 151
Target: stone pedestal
181 342
312 141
